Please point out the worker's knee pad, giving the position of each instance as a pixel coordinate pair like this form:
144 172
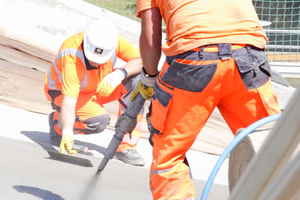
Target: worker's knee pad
96 124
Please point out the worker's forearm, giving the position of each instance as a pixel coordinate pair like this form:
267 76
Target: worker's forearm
151 59
134 66
150 39
67 114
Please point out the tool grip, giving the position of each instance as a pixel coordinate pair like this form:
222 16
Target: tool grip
80 148
128 117
109 152
135 106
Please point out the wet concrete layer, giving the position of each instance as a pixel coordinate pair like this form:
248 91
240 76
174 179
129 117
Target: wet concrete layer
27 172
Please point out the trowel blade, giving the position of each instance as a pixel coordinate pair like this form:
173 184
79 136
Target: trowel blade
72 159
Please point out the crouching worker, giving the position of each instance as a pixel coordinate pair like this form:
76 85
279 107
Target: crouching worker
82 78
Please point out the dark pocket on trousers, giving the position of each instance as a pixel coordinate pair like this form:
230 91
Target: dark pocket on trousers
160 104
192 78
254 68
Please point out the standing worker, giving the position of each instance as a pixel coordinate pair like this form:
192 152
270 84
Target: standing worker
82 78
214 58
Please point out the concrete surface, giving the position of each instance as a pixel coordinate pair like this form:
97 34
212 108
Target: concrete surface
27 172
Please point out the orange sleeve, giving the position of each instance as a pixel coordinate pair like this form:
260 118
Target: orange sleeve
125 50
144 5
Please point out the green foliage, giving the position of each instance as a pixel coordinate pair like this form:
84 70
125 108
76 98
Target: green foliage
126 8
294 82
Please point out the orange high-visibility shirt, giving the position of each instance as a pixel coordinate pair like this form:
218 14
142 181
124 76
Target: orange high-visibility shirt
194 23
71 73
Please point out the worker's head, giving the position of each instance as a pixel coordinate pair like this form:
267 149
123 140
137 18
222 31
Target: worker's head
100 41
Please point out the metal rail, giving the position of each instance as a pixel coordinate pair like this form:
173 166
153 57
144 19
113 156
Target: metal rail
287 69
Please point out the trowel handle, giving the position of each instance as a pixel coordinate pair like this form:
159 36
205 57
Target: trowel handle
80 148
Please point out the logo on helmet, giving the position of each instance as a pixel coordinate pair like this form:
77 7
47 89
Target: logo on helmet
98 51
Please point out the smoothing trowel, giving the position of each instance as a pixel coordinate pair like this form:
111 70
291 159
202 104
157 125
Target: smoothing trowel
76 159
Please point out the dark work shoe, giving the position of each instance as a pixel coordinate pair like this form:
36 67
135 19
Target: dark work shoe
130 156
55 138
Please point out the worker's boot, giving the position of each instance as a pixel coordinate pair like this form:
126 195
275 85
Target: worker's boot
55 138
130 156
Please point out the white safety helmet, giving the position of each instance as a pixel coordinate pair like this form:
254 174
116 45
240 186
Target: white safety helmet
100 41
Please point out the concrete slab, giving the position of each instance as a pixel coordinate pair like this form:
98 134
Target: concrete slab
27 172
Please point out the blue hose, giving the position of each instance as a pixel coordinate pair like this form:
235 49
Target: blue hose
230 147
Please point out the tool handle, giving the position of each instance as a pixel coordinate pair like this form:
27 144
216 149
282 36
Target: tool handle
109 152
135 106
130 115
80 148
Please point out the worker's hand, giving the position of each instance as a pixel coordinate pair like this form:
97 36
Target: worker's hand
144 90
144 86
67 142
110 82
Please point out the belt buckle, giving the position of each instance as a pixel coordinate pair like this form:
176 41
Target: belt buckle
225 57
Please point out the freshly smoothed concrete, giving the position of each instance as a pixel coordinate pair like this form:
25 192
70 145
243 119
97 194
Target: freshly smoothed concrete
27 172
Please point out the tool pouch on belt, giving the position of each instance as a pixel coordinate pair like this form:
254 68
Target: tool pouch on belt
161 101
183 76
253 66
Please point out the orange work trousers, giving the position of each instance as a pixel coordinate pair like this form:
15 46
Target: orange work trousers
233 78
91 116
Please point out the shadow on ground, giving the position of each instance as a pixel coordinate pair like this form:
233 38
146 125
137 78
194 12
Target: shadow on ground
37 192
